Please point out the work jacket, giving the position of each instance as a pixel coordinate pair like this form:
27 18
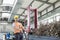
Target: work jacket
18 27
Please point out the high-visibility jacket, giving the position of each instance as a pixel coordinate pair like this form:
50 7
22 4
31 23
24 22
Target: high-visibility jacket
18 27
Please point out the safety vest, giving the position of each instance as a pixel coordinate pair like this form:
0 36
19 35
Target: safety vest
18 27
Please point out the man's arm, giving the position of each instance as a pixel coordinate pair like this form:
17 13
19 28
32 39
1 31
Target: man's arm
23 28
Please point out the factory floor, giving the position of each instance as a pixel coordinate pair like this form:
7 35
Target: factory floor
43 38
33 37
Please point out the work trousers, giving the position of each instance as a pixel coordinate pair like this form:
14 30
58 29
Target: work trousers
18 36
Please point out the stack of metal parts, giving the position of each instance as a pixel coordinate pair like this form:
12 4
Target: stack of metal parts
52 29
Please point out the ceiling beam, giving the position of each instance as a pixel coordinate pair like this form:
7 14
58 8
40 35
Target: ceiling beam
23 8
51 5
44 1
56 1
5 12
41 5
25 17
13 9
23 12
28 5
19 14
31 3
26 8
51 11
46 8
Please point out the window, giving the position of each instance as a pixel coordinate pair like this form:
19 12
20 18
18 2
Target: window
8 1
7 8
57 18
7 15
50 20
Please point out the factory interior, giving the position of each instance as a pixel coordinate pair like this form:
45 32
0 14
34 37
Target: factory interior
40 19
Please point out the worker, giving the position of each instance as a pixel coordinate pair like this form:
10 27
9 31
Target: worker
18 29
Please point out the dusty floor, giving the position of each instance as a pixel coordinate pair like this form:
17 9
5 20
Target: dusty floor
43 38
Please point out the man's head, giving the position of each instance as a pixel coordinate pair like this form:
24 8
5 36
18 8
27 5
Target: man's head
16 18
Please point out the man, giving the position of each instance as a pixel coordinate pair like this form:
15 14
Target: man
18 29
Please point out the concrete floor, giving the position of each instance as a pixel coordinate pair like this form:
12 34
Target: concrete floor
32 37
43 38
